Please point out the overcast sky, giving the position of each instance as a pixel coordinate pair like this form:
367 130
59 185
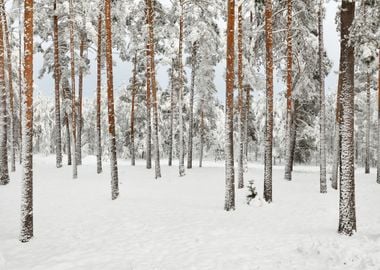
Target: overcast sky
122 71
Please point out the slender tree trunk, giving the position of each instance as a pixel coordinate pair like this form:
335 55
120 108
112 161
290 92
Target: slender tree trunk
368 125
378 124
322 147
73 101
27 179
269 105
68 140
201 131
191 119
80 102
289 87
180 96
171 115
148 98
99 167
57 79
20 79
133 111
11 92
246 120
111 109
240 99
4 173
157 166
347 215
229 203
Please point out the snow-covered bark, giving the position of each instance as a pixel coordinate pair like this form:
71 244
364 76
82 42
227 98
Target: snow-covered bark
229 203
269 103
148 101
4 173
110 99
20 79
347 215
201 133
12 119
240 99
73 101
132 147
57 75
171 115
322 113
336 158
157 166
368 124
27 174
99 167
180 96
191 116
378 123
80 101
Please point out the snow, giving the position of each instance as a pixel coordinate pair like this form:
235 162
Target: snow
179 223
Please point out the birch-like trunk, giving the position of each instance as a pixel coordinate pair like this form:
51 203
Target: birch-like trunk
180 96
240 99
4 173
157 166
99 167
191 118
201 132
20 86
368 125
322 118
111 109
347 212
80 102
27 175
57 79
269 103
11 92
133 158
229 203
148 98
171 135
68 140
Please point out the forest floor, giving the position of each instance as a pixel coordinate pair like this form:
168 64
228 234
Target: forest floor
179 223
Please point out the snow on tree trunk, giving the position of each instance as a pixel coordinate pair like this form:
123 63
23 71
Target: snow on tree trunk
191 118
20 78
133 162
99 167
240 98
378 124
27 175
80 102
180 96
201 132
4 173
148 98
229 203
11 91
368 125
336 158
171 115
57 75
269 104
322 123
157 166
289 87
347 215
111 109
73 101
246 119
68 140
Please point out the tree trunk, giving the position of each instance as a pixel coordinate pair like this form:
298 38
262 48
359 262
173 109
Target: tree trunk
157 166
368 125
201 131
180 96
148 98
171 115
80 102
20 80
322 123
347 215
11 92
57 79
133 161
378 125
111 109
289 87
240 99
229 203
68 140
73 101
27 179
4 173
269 105
99 167
191 119
246 120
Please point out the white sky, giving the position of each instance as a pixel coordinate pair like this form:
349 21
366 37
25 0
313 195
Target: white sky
122 71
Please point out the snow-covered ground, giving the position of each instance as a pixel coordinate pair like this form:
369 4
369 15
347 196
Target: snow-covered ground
179 223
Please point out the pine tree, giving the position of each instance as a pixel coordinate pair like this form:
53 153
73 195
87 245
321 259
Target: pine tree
368 124
229 203
27 176
99 168
148 95
347 215
20 79
57 75
4 173
111 110
240 98
172 107
134 86
378 123
180 95
269 103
